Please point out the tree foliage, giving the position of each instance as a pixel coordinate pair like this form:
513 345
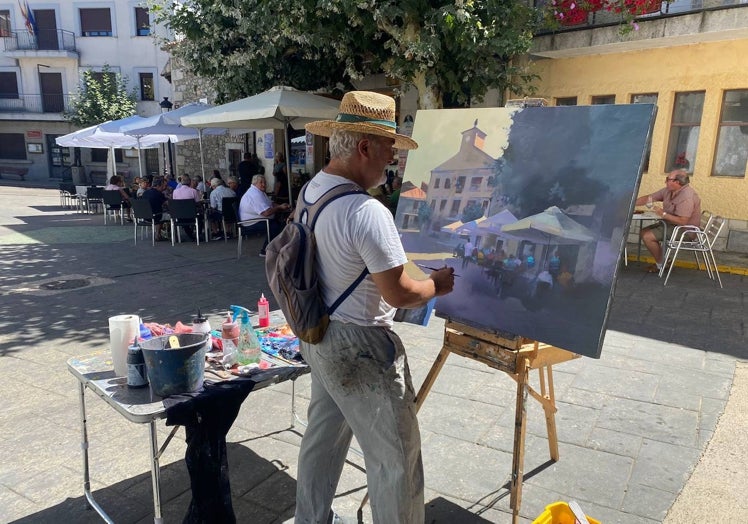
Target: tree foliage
453 51
101 96
471 212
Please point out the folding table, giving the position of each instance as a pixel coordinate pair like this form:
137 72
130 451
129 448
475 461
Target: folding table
95 372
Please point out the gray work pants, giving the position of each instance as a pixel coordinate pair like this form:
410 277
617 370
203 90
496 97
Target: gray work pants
361 386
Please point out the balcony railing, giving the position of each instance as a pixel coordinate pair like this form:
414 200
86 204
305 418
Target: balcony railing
676 7
43 40
45 103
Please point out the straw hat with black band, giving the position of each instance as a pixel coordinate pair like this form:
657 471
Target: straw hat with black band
365 112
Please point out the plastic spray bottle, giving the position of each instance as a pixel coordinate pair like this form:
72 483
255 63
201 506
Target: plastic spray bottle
249 350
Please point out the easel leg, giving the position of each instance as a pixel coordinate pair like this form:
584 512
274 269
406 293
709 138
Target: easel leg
549 406
518 455
423 392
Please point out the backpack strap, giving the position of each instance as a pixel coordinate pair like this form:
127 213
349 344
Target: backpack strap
310 213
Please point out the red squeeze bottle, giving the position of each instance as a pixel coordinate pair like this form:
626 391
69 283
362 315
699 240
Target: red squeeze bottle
263 310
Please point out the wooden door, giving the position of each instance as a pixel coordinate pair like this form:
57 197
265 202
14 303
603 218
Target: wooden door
46 23
51 87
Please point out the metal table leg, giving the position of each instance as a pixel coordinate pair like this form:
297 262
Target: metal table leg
84 447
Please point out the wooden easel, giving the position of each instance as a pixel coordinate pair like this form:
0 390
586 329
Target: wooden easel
515 356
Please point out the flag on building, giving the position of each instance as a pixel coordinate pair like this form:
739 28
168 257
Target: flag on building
28 15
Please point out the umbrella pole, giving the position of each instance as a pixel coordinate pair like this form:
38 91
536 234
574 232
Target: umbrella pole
288 161
140 158
114 162
202 160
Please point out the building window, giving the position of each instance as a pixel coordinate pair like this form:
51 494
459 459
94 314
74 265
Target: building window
731 156
433 205
475 183
455 208
645 98
603 99
102 155
460 184
5 23
12 146
684 131
96 22
436 183
146 86
142 22
447 183
8 84
566 101
442 205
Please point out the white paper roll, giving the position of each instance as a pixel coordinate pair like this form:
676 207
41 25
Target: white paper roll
122 330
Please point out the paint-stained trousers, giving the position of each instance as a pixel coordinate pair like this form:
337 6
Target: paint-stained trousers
361 386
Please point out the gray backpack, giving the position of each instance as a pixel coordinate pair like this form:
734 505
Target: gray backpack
290 266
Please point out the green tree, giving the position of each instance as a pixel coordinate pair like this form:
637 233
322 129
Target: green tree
471 212
453 52
424 216
101 96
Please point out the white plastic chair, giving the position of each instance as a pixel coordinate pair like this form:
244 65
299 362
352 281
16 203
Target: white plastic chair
698 241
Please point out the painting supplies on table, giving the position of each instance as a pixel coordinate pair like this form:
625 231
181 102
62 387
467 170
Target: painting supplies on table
248 350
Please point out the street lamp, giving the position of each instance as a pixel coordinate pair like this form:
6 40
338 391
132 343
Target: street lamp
166 106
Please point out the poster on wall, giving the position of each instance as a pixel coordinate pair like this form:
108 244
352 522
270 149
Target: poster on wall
530 207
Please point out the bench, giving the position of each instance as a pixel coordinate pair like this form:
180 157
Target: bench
20 172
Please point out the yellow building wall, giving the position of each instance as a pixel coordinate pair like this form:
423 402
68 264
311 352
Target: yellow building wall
710 67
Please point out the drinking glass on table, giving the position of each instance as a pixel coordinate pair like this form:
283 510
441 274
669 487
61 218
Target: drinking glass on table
650 203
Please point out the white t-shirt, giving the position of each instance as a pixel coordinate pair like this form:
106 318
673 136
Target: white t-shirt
253 204
354 232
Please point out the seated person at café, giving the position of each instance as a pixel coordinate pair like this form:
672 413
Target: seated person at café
255 204
185 191
158 201
201 186
219 192
681 206
117 184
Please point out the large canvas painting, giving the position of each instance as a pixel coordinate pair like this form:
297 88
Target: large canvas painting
530 207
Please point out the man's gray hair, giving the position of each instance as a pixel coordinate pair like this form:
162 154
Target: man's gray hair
343 143
234 180
681 175
257 178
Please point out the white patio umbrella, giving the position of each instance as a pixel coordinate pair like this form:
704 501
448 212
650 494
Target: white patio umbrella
276 108
552 226
494 223
107 136
170 123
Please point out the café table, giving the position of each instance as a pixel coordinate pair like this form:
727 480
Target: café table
207 416
640 217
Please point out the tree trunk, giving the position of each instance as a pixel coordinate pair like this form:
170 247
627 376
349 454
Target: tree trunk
429 96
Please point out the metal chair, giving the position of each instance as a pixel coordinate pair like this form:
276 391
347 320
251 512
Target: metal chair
692 238
94 198
183 213
114 204
241 224
229 214
144 217
67 195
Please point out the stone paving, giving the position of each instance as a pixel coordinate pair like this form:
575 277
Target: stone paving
632 425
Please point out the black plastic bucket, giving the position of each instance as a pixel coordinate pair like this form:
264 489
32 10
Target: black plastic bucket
174 371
